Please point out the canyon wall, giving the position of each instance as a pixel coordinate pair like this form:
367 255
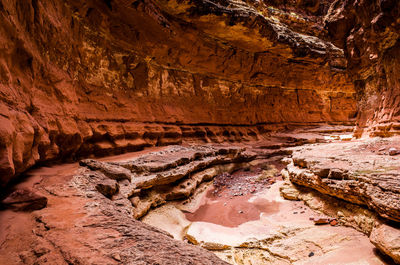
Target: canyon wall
369 32
103 77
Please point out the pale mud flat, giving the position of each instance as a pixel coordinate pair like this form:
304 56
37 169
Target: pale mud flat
261 228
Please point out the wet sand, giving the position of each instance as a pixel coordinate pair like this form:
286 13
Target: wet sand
218 225
231 202
232 212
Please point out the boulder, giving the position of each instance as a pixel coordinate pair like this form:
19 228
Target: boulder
25 200
387 239
108 187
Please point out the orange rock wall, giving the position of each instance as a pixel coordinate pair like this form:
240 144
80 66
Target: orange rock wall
369 32
102 77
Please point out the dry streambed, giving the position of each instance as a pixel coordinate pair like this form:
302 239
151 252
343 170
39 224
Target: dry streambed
241 217
260 227
224 199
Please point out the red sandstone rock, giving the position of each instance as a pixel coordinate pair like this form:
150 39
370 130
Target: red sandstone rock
393 151
387 238
158 177
370 32
80 79
320 220
105 77
353 172
333 222
81 225
25 200
108 188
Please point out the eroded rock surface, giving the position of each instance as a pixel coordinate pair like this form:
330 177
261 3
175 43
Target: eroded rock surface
105 77
25 200
261 228
90 217
174 173
387 239
369 33
85 224
360 172
384 235
356 172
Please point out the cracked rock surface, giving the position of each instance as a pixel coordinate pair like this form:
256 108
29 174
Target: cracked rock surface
174 173
91 212
361 172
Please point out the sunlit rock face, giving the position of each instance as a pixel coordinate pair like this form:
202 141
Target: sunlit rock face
369 33
101 77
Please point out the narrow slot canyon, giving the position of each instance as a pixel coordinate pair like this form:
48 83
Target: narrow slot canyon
200 132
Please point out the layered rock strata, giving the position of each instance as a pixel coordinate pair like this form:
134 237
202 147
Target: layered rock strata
105 77
152 180
89 214
369 33
385 236
360 172
353 172
82 226
243 220
275 240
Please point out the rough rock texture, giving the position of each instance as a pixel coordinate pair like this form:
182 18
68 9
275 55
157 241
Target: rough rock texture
387 239
281 234
24 200
346 213
356 172
369 32
153 179
361 172
81 226
384 235
88 219
101 77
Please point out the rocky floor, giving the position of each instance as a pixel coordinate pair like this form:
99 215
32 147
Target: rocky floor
189 200
364 173
261 228
82 226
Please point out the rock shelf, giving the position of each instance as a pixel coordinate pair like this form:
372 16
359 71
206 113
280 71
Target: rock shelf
361 172
174 173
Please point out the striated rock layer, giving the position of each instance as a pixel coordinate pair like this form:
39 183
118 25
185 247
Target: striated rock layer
152 180
102 77
369 32
385 236
82 226
356 172
364 174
